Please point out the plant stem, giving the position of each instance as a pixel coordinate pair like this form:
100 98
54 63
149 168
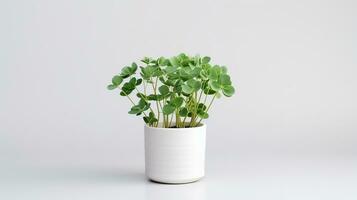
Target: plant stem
129 99
209 106
194 113
184 121
158 104
167 121
172 116
145 87
199 98
178 119
197 104
132 101
145 100
204 102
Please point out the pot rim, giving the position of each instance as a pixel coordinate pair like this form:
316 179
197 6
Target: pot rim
201 125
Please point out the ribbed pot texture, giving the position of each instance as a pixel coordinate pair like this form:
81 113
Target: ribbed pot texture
175 155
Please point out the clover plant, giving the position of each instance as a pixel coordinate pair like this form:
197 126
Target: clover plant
182 88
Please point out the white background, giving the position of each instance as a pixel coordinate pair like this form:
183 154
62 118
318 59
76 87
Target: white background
289 133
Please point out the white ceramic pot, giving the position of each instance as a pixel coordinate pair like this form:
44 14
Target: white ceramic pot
175 155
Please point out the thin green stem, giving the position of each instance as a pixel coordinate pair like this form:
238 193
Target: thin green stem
184 122
172 116
178 119
166 121
197 104
195 112
158 104
187 101
144 82
204 102
209 106
131 100
145 99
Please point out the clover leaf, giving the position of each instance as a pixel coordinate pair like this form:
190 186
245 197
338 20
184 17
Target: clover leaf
187 89
225 79
228 90
168 109
206 60
195 85
164 90
177 102
183 112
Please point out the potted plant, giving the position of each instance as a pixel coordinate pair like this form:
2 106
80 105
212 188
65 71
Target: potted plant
173 95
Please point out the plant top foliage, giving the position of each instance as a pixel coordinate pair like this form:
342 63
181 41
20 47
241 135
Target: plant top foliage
181 87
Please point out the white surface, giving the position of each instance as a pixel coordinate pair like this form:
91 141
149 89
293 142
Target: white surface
293 62
246 178
175 155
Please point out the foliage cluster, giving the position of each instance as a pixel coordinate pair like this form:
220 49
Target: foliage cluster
180 87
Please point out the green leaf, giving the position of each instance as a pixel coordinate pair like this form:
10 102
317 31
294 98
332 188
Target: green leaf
117 80
209 91
213 74
146 119
111 87
196 72
224 70
163 61
141 95
147 72
150 119
177 89
177 102
174 62
139 81
203 75
187 89
140 108
146 107
132 81
206 60
168 109
214 85
152 97
164 90
144 73
203 115
157 72
195 85
183 112
170 69
135 109
170 82
182 56
126 72
146 60
184 74
228 90
128 88
142 103
134 67
225 79
202 106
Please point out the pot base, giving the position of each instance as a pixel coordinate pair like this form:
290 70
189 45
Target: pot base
168 181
